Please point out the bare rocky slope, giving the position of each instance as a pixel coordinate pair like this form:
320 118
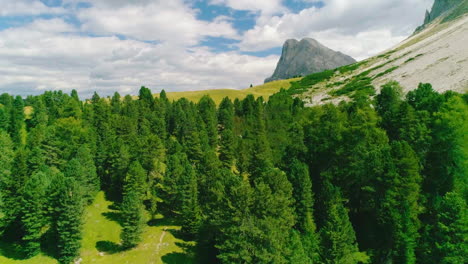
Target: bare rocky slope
300 58
437 54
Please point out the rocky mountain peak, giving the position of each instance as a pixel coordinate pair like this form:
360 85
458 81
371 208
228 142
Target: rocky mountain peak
300 58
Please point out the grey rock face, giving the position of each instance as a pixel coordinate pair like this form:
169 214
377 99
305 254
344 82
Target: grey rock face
442 6
438 8
300 58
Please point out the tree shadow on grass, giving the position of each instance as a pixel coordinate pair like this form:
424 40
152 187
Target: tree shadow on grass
49 244
10 242
108 247
12 250
12 247
164 221
186 257
114 216
177 258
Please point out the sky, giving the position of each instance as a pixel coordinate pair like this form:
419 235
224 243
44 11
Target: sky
179 45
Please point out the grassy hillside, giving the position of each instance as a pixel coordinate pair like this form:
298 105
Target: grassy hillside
217 95
101 235
437 55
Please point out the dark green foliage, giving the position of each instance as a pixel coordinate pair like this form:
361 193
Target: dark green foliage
360 84
309 81
387 71
190 209
132 218
227 148
297 252
207 110
302 193
252 181
401 204
33 211
447 169
17 124
8 191
69 221
338 241
146 97
451 230
387 105
89 178
350 68
135 180
425 98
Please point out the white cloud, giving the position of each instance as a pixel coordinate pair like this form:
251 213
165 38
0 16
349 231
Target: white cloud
45 55
347 25
162 47
171 21
26 7
263 6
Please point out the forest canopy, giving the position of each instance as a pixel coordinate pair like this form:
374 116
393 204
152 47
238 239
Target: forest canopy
375 180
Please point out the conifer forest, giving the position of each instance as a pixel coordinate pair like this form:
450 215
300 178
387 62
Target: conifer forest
254 180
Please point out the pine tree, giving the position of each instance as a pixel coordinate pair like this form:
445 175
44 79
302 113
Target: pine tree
451 230
226 114
69 221
400 207
388 102
190 210
297 252
207 110
116 103
302 193
172 187
132 218
338 240
33 211
447 160
273 216
146 97
136 180
18 126
90 179
8 203
4 118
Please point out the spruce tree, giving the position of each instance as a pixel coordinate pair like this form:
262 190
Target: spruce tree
400 208
18 126
207 110
69 221
190 209
132 218
297 252
8 202
136 180
90 179
33 211
451 230
337 236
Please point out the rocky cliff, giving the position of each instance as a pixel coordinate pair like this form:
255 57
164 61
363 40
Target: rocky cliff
300 58
439 8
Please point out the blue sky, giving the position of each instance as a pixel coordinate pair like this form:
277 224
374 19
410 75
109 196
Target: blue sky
119 45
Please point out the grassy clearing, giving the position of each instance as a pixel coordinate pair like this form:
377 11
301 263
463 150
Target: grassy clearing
217 95
101 236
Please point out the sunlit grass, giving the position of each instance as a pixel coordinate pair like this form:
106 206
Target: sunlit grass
101 237
217 95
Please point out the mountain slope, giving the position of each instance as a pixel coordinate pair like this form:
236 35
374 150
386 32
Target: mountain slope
300 58
217 95
438 54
